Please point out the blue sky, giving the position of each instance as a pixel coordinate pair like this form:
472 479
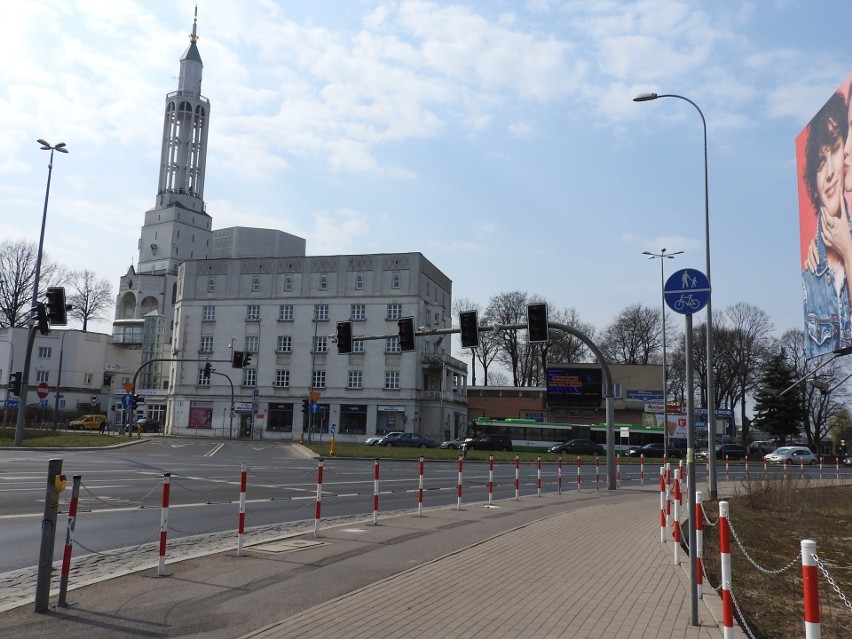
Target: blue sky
498 138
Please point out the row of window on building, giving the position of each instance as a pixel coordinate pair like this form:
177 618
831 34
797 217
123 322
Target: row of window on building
284 344
323 283
281 379
286 313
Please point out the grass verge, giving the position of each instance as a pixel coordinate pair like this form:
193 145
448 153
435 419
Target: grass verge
770 519
38 438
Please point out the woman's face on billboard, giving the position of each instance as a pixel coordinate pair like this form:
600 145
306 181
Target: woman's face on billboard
830 175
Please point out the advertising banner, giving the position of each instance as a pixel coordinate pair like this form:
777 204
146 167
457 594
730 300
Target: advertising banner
825 186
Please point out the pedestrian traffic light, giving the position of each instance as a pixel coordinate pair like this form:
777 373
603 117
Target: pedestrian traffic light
206 371
56 308
406 334
344 337
469 323
237 361
41 319
537 330
246 359
305 405
15 383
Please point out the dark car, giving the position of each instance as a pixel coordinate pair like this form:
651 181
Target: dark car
731 451
653 450
489 442
579 447
413 440
147 425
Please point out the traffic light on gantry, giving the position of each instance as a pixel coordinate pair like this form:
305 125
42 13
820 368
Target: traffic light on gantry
57 311
469 324
406 334
344 337
537 330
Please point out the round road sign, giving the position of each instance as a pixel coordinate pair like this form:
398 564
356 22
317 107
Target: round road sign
687 291
42 390
94 399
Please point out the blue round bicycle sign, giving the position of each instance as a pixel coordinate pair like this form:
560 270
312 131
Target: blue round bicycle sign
687 291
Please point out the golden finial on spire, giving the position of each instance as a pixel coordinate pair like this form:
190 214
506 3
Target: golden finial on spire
192 36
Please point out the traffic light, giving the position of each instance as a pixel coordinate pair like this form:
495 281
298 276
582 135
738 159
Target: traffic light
56 308
205 374
237 361
406 334
469 323
305 405
344 337
537 323
246 359
136 400
15 383
41 319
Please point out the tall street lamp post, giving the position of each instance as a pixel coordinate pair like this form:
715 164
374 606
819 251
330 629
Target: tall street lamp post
25 380
711 408
663 256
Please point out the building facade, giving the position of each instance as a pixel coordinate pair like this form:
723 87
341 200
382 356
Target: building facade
281 313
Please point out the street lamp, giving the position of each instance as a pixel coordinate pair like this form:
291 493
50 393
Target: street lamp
663 256
22 398
711 408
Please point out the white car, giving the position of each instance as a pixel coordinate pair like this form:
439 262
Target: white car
372 441
792 455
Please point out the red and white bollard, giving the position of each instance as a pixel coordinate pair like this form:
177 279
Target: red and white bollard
837 469
376 492
810 585
420 491
579 473
319 499
662 505
490 480
727 468
642 469
241 521
785 470
699 543
676 530
668 475
66 555
746 468
820 467
725 561
597 473
461 470
802 469
559 475
164 523
538 476
517 476
617 470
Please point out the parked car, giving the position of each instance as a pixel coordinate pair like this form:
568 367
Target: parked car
579 447
847 461
792 455
454 444
653 450
488 442
147 425
761 447
413 440
88 422
372 441
731 451
701 453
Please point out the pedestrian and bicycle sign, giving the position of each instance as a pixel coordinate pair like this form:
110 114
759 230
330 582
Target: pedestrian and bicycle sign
687 291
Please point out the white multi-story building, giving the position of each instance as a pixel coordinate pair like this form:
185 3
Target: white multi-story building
199 293
282 312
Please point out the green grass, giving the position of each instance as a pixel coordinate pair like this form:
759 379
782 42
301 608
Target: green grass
36 438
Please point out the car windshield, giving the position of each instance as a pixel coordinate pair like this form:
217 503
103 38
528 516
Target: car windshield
782 450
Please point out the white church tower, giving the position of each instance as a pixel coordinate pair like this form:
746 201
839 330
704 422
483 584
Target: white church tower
178 228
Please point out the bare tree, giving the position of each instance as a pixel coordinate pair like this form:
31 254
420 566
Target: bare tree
746 345
634 337
17 278
90 296
509 308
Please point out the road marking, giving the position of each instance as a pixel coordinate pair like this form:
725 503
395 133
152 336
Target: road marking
215 450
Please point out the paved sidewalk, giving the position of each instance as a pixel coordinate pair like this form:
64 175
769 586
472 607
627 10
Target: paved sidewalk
585 565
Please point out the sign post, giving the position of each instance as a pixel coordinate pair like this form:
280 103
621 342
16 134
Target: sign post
687 291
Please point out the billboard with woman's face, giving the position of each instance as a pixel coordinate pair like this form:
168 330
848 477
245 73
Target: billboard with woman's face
823 151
